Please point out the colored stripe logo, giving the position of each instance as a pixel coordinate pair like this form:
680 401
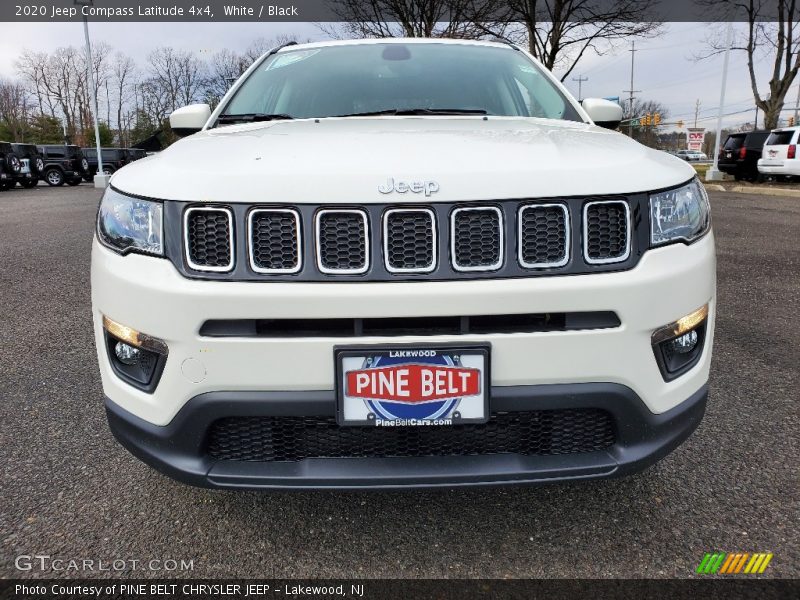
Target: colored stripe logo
733 563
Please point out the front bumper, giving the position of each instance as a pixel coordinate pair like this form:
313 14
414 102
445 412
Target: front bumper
180 448
149 295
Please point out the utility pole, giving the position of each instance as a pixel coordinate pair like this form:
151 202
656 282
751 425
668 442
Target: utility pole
631 91
714 174
696 111
796 104
580 81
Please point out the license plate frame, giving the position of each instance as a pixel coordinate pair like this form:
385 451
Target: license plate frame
475 407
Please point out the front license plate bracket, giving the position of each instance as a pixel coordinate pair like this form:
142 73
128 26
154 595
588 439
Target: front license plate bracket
420 385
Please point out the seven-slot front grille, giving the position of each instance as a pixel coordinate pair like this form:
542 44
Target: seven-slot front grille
409 240
440 241
607 236
209 238
477 238
530 433
543 235
342 241
275 241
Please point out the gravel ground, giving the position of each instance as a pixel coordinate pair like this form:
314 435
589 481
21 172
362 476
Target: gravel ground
70 491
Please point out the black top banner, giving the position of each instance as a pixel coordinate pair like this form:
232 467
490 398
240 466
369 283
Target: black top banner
380 10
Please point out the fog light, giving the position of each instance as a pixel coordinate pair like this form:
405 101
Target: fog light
686 343
127 355
135 357
135 338
681 326
679 345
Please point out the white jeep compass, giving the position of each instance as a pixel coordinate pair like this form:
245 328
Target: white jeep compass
400 263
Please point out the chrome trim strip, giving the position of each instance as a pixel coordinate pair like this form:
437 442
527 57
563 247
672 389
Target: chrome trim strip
298 234
501 228
194 266
616 259
392 211
328 270
567 241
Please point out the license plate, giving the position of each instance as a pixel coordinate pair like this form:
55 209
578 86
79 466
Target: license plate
412 386
728 155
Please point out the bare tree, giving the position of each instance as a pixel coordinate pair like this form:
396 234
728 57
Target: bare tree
124 77
224 68
417 18
175 78
771 33
649 135
15 108
560 32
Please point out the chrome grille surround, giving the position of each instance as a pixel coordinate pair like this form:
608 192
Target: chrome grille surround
251 240
187 239
454 239
318 245
433 240
586 232
521 238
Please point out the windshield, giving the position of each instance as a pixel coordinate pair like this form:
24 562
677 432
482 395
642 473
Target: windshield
368 78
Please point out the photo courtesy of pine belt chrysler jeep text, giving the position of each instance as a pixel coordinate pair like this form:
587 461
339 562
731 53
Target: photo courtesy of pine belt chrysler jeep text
405 263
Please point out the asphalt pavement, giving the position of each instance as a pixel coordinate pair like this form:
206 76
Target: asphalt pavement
69 491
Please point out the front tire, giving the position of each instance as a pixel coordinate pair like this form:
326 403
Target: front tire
54 178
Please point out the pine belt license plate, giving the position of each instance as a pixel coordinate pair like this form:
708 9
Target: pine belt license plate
412 386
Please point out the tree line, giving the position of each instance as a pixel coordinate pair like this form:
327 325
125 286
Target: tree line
49 100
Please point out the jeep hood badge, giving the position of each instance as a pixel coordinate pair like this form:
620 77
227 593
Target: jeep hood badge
401 187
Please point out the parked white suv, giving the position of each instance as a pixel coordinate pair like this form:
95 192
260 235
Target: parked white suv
779 156
402 263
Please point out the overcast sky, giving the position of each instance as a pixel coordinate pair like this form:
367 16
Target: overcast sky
664 67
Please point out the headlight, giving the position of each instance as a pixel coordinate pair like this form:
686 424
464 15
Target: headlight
679 214
130 224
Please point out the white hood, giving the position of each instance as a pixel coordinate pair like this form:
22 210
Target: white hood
345 160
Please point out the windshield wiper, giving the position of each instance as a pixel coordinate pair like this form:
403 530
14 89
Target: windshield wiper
400 112
252 118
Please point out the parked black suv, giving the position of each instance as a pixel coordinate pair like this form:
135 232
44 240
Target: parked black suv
63 164
11 164
739 156
29 177
113 159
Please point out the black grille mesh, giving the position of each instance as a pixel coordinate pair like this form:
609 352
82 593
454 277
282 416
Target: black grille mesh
546 432
606 230
477 240
275 243
544 235
409 240
208 235
342 241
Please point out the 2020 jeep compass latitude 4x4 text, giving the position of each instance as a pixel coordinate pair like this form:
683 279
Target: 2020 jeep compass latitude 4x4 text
402 263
